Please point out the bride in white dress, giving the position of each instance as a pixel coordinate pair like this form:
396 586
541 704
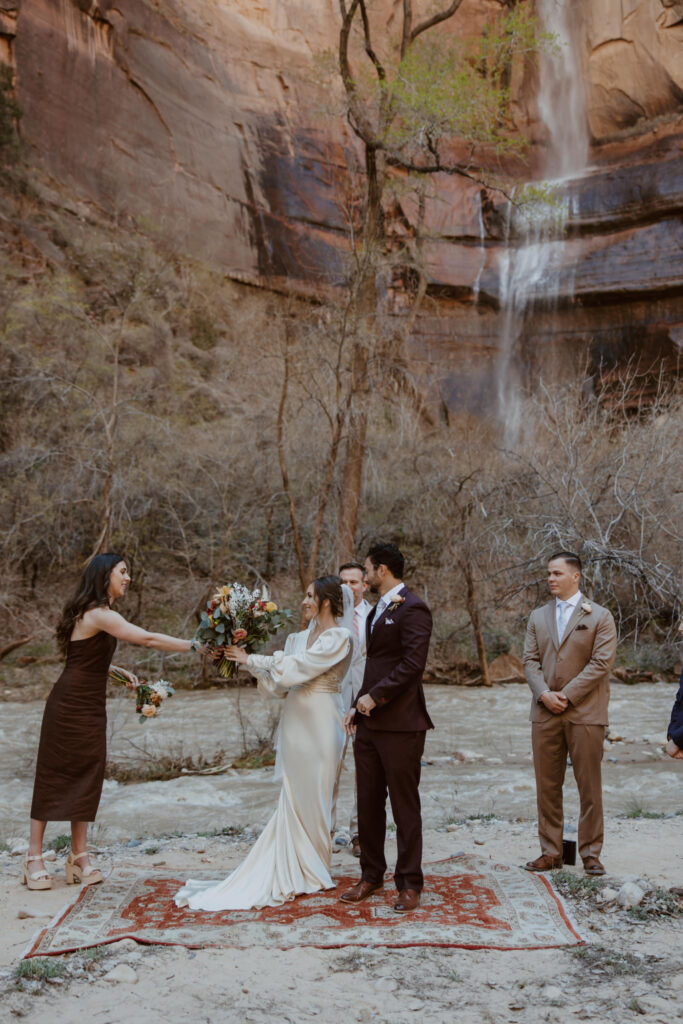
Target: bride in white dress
292 854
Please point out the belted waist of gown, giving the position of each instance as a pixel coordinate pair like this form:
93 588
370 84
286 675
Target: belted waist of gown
323 685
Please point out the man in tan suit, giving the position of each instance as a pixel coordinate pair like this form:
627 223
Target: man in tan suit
568 653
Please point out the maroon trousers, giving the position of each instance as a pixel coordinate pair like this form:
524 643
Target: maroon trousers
389 761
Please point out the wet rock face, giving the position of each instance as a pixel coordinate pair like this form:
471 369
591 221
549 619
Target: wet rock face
187 114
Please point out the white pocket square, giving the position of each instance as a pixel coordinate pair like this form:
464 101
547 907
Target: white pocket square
388 622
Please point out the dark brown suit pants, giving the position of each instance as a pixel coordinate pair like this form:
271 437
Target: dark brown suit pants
551 741
389 761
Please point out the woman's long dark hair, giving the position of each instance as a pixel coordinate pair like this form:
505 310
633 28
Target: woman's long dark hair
330 587
91 592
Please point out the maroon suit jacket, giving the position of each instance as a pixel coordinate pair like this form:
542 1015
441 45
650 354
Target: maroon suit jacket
396 656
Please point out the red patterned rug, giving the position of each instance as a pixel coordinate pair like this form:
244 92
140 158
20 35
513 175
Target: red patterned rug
467 902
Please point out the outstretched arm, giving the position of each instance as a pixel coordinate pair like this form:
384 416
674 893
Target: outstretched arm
111 622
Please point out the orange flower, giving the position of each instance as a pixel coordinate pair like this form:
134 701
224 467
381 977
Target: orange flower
239 634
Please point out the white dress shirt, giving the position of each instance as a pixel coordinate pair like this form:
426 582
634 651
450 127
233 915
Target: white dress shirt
360 614
353 680
567 607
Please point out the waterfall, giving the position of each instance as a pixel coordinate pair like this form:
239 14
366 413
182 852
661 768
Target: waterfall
533 264
476 288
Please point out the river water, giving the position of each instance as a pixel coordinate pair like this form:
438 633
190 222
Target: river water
488 727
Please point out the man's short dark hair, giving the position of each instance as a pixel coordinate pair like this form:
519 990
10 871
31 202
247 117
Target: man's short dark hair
570 557
351 565
389 555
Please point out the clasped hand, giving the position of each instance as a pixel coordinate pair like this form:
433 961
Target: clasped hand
555 701
673 750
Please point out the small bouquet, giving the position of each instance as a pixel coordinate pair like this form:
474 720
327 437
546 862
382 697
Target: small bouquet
239 616
148 696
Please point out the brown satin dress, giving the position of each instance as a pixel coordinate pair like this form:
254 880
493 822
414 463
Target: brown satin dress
73 739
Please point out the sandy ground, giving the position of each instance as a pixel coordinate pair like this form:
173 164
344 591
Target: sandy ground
630 969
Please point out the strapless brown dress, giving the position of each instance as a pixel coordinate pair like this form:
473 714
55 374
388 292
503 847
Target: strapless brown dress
73 738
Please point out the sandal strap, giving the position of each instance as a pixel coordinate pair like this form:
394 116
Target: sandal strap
34 856
37 875
77 856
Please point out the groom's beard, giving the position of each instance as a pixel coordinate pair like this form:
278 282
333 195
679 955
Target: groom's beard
373 589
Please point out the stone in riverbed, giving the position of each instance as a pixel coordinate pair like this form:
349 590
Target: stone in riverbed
630 895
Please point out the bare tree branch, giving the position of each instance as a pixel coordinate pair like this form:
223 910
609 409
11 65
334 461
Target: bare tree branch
435 19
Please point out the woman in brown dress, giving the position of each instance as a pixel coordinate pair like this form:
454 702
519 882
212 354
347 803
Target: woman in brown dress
73 738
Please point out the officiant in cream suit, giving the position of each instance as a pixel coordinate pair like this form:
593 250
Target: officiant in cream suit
569 651
353 574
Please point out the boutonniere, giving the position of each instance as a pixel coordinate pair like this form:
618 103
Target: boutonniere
396 603
586 607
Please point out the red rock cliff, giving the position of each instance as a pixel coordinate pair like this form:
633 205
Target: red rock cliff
200 118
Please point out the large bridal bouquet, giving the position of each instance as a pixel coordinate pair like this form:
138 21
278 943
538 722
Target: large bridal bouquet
239 616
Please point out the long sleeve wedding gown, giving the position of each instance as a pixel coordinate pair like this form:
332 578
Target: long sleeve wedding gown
292 854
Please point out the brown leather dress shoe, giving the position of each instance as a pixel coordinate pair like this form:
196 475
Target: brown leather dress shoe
360 891
592 866
544 863
355 846
407 900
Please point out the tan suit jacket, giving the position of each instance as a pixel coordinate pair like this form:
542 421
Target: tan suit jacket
579 666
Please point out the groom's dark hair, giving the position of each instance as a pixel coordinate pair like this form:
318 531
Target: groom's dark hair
389 555
570 557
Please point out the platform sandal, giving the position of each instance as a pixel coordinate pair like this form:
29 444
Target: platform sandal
75 873
35 879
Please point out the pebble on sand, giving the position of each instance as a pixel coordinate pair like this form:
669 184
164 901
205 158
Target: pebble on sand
121 973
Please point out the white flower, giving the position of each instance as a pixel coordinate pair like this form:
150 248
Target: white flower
586 607
240 601
161 688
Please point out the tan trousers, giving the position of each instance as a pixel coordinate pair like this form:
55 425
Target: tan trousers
551 741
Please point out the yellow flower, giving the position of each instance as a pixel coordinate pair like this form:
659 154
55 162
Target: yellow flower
271 606
148 710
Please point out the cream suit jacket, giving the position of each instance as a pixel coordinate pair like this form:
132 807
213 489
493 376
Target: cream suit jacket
579 666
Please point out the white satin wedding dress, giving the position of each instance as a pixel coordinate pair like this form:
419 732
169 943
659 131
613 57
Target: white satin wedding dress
292 854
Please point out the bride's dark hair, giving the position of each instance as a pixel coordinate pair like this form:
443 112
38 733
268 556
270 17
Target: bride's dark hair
330 588
91 592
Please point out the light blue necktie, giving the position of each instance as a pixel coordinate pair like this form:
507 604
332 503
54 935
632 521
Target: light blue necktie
381 605
565 612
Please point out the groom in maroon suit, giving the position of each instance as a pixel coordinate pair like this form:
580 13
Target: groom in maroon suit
390 719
